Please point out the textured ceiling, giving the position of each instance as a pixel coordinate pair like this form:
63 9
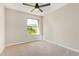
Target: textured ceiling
46 10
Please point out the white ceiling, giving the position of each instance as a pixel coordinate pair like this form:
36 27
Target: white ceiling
46 10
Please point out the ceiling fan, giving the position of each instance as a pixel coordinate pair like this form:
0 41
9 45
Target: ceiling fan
37 6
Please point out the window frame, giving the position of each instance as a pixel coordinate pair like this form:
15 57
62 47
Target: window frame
37 26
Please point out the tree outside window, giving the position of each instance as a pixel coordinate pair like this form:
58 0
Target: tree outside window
32 27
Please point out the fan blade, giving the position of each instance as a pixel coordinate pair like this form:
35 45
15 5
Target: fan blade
32 10
41 10
28 4
48 4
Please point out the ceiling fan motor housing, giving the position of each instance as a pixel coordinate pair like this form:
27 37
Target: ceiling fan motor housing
36 6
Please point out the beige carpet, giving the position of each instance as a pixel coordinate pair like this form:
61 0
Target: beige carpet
37 48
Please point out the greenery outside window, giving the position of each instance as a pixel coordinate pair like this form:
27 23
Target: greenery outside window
32 27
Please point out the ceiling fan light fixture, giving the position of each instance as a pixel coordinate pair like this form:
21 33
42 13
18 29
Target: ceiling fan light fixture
37 6
36 9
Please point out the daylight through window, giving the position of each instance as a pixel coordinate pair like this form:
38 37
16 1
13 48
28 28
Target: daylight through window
32 27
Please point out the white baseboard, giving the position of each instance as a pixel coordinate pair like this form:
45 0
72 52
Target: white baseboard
64 46
20 43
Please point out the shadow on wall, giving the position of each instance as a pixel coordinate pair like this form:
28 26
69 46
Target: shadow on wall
2 28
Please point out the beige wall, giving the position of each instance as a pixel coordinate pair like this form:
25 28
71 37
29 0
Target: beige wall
2 28
15 26
62 26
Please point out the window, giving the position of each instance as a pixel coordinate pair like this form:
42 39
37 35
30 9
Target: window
32 27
